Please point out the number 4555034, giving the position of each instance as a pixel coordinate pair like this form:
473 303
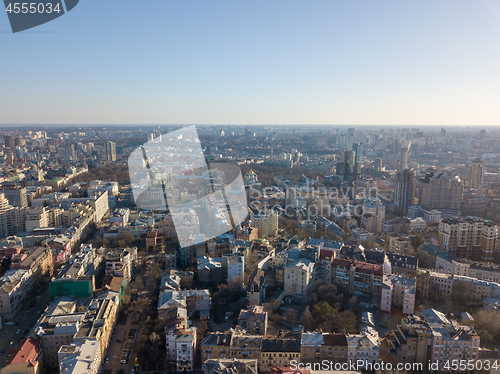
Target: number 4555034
32 8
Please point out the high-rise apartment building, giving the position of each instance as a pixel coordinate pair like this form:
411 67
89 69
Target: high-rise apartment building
5 221
15 194
9 141
111 151
70 151
349 168
468 237
475 175
441 192
404 194
266 222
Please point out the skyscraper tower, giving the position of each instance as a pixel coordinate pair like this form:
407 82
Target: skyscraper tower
475 175
405 190
349 168
403 161
111 151
9 141
358 150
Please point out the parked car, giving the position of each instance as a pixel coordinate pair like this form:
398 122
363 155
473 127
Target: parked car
119 340
18 331
9 324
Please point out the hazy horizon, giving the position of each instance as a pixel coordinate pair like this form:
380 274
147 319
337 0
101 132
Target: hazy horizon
282 62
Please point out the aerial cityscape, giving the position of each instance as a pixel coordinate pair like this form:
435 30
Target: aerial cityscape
360 248
250 187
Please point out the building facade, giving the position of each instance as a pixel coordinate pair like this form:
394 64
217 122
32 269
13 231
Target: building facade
468 237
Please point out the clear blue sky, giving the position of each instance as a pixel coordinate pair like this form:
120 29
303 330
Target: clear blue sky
256 62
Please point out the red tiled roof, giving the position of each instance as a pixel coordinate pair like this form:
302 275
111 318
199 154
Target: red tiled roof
341 263
26 351
364 267
326 254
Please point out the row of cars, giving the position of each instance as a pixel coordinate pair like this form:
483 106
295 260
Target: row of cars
126 351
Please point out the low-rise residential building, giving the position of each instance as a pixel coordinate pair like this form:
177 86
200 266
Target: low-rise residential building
310 347
186 277
216 346
409 342
323 268
25 358
119 262
257 252
358 278
399 243
39 260
481 270
450 341
170 258
427 255
299 278
206 265
435 285
440 285
120 217
279 353
489 358
480 288
246 347
172 303
256 287
15 286
254 320
77 278
398 291
401 262
364 347
248 233
334 348
371 223
82 357
417 224
396 225
66 322
361 235
181 347
316 347
61 248
234 265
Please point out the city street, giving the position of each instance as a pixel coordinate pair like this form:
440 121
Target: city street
23 321
116 348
